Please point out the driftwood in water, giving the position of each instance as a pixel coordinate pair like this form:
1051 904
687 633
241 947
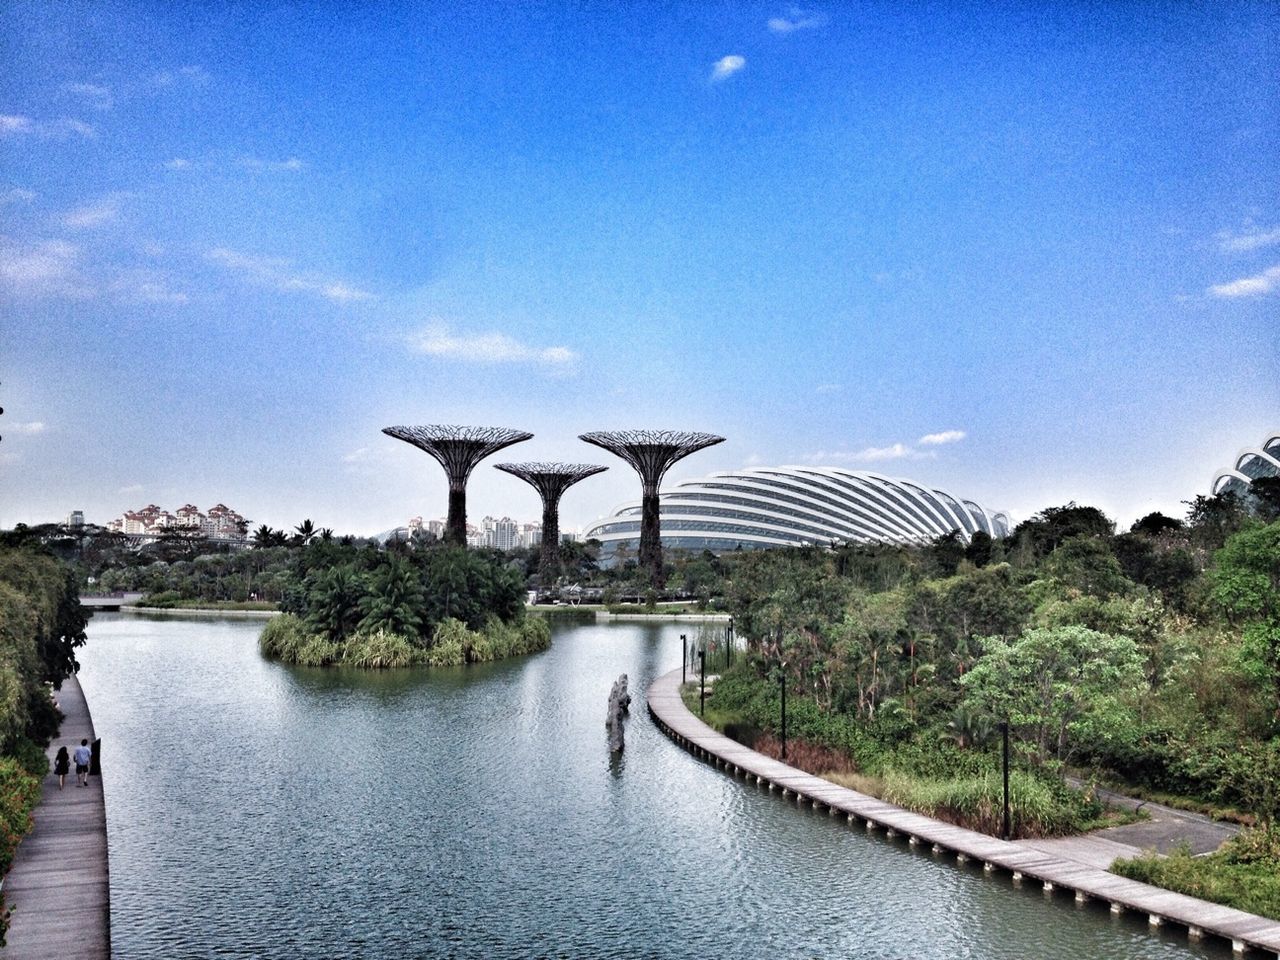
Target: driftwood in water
619 706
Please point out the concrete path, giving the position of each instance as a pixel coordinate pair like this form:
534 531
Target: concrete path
1021 860
1167 829
58 884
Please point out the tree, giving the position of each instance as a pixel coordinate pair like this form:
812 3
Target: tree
1264 495
1211 521
981 549
1154 524
1053 526
304 532
1087 565
1246 583
334 601
1059 688
395 600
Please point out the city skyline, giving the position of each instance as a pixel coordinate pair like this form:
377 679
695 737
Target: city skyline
1031 254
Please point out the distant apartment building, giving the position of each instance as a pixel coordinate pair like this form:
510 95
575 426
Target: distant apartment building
530 535
75 519
219 523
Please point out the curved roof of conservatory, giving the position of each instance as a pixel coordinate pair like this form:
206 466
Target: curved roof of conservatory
1251 463
792 506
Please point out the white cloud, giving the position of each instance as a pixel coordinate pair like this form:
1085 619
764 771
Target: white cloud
39 269
177 163
1255 286
946 436
95 95
796 19
30 429
11 123
280 274
192 74
17 125
358 455
828 388
753 461
17 195
898 451
144 286
292 165
727 66
1252 239
488 348
103 210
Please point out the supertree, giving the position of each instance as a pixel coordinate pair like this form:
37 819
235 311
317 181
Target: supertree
458 449
551 480
651 453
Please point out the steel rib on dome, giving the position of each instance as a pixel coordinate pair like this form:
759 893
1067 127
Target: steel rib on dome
793 506
1251 463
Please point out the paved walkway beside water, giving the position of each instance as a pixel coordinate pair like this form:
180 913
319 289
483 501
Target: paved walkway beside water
1024 859
58 884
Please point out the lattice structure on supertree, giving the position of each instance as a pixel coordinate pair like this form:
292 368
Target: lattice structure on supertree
551 480
458 449
651 453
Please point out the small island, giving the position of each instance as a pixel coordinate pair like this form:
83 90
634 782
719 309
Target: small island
435 605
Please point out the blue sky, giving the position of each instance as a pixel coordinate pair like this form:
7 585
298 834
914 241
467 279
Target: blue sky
236 240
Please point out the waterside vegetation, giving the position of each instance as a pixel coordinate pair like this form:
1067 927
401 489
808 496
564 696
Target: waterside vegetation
41 626
437 606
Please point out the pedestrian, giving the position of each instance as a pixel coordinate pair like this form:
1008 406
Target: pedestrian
83 753
61 764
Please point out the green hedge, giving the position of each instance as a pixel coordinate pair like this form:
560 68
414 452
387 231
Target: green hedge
19 793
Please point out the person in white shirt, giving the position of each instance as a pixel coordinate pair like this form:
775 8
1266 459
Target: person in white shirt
82 756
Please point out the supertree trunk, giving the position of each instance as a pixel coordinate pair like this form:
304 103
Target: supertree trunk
455 527
651 453
551 480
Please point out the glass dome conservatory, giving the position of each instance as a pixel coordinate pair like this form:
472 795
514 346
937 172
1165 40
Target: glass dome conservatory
793 506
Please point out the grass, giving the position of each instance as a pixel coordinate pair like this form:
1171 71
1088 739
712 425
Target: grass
1244 874
287 639
164 602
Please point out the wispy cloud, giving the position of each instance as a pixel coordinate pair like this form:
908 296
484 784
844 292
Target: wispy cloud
945 436
17 195
292 165
40 269
488 348
280 274
30 428
193 74
1255 286
828 388
17 125
1251 239
145 286
177 163
897 451
797 19
94 95
727 66
103 210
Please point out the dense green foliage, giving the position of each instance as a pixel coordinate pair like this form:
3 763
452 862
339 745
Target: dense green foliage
434 604
41 626
1244 874
1150 658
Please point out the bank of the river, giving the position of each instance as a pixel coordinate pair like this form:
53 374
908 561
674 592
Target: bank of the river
58 886
198 612
1020 860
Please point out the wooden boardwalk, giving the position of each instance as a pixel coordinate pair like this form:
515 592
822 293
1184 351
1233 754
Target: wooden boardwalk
1047 862
58 884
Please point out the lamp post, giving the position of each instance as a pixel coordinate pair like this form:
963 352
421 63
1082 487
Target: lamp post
1004 734
684 658
782 677
702 684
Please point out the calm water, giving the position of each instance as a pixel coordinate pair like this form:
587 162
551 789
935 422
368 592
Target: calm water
257 810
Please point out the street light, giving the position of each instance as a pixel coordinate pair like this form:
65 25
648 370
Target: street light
1004 733
684 658
702 686
782 677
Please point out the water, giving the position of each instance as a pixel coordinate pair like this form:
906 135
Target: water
257 810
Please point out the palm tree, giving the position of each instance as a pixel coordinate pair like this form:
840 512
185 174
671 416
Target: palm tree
304 532
395 600
335 604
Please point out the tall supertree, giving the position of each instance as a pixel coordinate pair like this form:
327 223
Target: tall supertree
458 449
651 453
551 480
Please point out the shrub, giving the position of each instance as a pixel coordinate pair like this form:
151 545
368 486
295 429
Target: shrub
19 793
379 651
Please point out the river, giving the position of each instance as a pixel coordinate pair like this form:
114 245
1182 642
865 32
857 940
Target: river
258 810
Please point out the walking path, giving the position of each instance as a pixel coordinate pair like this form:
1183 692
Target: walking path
1052 867
58 884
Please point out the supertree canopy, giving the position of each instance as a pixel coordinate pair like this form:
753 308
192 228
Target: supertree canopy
651 453
458 449
551 480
